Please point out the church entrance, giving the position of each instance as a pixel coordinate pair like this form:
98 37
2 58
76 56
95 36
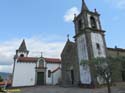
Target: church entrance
123 76
72 76
40 78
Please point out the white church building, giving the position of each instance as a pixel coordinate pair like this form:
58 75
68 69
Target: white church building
32 71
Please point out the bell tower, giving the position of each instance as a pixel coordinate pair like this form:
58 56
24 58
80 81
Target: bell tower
22 51
90 40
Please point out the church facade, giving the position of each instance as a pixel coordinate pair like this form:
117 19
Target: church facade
32 71
89 43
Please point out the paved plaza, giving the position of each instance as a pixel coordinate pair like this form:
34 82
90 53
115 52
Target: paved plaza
57 89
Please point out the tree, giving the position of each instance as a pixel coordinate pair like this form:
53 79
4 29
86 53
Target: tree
104 67
1 81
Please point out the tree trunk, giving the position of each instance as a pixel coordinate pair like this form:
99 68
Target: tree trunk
108 86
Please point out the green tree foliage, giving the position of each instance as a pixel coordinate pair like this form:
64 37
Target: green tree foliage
1 79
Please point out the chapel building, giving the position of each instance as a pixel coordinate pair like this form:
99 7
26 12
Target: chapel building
32 71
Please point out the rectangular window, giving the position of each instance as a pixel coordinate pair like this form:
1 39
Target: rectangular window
80 25
49 73
98 46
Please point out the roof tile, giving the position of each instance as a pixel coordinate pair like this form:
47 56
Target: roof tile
34 59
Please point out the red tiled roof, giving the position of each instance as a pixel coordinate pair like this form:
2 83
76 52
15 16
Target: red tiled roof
52 60
3 83
27 59
34 59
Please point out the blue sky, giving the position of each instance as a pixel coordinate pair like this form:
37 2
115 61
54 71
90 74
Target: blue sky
44 24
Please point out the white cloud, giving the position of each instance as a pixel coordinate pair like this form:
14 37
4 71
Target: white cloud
34 45
0 68
69 16
6 68
49 49
7 51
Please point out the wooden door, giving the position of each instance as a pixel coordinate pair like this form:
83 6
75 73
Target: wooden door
40 78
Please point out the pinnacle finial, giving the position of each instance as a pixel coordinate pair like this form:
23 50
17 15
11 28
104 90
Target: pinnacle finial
84 7
68 36
82 1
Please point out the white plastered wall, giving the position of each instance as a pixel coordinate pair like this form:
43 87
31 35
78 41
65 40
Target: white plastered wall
56 76
85 76
24 74
52 79
97 38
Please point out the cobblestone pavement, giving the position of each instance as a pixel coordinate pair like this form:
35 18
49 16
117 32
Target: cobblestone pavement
57 89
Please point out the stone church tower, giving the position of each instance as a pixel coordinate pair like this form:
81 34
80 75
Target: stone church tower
90 41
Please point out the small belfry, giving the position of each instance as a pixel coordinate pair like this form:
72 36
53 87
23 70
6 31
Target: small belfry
22 51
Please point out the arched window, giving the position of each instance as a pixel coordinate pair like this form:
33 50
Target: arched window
21 55
41 63
80 24
93 22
